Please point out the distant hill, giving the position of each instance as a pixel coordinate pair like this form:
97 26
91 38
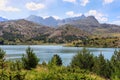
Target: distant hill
21 29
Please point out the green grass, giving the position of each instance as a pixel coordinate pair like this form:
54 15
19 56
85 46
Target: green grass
50 73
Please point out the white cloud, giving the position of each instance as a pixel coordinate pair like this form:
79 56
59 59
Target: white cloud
107 1
118 17
72 14
4 7
117 22
99 16
34 6
56 17
71 1
45 16
84 2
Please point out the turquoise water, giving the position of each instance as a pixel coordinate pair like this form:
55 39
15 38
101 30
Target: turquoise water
45 52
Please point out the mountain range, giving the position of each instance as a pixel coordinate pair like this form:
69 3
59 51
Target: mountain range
50 29
89 24
51 21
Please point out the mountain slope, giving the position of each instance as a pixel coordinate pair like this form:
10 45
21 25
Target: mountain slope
67 33
21 29
50 21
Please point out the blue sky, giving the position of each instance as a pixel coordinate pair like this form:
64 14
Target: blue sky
106 11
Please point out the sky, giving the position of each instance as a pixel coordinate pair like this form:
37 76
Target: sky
105 11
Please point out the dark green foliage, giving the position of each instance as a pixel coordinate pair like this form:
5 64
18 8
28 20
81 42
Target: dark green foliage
44 63
2 59
1 41
11 36
30 60
56 60
115 61
99 65
83 60
2 54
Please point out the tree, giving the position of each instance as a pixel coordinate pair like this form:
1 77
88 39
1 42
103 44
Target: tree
115 61
102 65
29 60
2 55
56 60
84 60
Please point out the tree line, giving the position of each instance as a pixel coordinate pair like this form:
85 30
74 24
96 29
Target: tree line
110 69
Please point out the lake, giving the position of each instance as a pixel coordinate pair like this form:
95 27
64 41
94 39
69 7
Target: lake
46 52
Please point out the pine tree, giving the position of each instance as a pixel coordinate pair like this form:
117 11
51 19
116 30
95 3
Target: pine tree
30 60
115 61
2 59
84 60
56 60
102 65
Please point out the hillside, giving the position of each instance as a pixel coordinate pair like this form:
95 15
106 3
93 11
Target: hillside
68 33
21 29
24 30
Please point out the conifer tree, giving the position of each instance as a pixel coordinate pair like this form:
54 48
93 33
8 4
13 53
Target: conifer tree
29 59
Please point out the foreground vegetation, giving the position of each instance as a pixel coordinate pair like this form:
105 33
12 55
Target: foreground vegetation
84 66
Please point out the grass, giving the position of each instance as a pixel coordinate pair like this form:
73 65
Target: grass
59 73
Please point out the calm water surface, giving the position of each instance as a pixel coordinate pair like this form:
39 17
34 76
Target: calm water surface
45 52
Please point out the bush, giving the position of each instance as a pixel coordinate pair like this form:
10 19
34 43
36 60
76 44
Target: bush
29 60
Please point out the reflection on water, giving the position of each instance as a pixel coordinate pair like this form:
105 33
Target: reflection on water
45 52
